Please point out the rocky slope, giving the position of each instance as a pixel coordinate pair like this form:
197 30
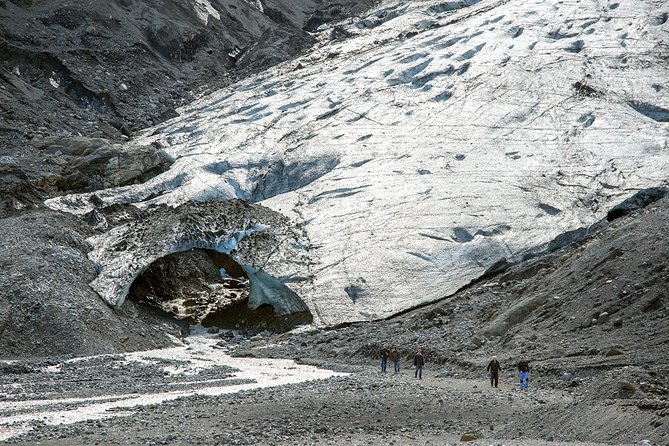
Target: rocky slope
46 307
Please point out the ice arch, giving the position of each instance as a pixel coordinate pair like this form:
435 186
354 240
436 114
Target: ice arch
262 241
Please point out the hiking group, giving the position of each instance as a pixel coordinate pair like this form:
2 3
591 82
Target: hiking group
394 356
494 367
523 366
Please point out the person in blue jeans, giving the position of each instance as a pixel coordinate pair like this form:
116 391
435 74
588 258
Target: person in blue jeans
524 373
419 363
395 358
384 357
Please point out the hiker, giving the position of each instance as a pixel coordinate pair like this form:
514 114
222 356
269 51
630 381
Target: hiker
395 358
384 357
494 368
524 372
419 362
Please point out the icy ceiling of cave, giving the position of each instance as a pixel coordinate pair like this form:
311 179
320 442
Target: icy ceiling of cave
434 140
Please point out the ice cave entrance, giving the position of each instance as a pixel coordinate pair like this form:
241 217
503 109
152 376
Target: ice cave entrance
209 288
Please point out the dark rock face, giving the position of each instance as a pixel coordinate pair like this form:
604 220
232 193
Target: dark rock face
94 163
17 192
46 306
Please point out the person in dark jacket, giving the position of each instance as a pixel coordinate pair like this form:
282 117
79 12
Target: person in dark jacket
419 363
384 357
494 368
395 358
524 373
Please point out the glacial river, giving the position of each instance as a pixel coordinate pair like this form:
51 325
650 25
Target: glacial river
183 363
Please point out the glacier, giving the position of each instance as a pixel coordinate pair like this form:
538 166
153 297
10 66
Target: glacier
433 140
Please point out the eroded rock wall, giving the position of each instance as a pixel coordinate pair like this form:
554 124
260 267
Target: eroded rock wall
46 304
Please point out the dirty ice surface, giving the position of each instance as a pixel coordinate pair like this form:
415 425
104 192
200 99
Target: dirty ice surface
433 141
185 364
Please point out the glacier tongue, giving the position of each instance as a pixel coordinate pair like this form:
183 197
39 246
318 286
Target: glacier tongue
432 142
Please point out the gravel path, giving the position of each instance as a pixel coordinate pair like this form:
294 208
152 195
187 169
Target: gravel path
188 396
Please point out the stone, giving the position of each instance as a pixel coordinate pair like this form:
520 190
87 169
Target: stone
514 315
567 377
471 436
614 351
626 389
92 162
654 388
478 341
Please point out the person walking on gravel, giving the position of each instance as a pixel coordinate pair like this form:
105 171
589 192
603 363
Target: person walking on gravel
384 357
524 373
419 363
395 358
494 368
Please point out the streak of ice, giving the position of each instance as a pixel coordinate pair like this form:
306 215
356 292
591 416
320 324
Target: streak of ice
204 10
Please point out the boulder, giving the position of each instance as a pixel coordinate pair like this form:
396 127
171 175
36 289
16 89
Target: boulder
471 436
514 315
87 163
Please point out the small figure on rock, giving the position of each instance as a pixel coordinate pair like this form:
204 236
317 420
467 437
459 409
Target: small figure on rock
395 358
384 357
524 373
419 362
494 368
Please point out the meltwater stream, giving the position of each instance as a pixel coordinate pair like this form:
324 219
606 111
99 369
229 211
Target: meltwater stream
184 364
